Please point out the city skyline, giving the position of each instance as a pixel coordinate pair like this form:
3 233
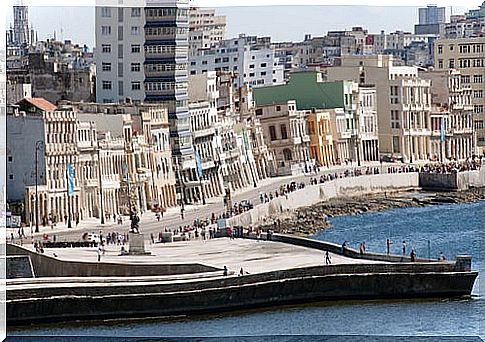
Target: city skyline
250 20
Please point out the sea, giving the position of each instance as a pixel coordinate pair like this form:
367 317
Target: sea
454 229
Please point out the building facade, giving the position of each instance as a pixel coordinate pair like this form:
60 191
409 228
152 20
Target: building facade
205 29
467 56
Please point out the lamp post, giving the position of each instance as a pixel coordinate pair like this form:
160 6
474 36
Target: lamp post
100 184
39 146
69 224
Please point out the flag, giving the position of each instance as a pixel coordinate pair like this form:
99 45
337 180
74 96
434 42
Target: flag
198 162
70 179
442 130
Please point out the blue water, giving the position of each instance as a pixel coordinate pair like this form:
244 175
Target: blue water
452 229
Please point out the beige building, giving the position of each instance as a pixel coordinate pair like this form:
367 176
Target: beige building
451 115
286 133
403 103
205 29
467 55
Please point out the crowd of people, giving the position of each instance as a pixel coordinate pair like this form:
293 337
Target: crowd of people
452 167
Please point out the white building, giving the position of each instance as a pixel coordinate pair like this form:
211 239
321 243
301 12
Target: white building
252 58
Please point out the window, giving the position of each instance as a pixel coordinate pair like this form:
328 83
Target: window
251 66
135 85
259 111
193 63
193 72
217 60
106 85
120 88
106 48
451 63
106 66
263 73
10 176
272 133
478 94
284 133
10 159
278 108
465 78
105 12
136 12
287 154
204 62
263 65
440 64
440 48
235 59
225 59
120 32
135 67
477 78
105 30
395 145
251 74
135 48
135 30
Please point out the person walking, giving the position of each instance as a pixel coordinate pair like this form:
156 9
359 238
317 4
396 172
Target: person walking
413 255
225 272
404 247
388 243
328 261
99 250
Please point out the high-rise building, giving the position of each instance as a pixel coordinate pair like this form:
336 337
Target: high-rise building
21 25
432 15
141 56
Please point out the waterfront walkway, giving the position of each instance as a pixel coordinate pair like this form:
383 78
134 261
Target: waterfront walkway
252 255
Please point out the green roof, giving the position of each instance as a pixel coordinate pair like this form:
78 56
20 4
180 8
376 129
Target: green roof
304 88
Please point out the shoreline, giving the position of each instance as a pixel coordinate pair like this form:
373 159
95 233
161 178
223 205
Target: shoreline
306 221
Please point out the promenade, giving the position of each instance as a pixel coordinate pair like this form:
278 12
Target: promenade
251 255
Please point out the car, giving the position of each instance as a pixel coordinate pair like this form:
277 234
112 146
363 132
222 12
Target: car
246 204
92 237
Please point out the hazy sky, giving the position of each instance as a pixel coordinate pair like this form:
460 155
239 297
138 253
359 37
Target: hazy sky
282 23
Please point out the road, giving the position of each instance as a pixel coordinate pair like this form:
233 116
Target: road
172 218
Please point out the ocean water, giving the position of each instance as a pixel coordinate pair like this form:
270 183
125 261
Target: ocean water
451 229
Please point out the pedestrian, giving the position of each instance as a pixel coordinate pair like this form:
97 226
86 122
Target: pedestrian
99 250
328 261
388 243
152 237
225 272
413 255
344 245
241 272
442 257
404 247
361 249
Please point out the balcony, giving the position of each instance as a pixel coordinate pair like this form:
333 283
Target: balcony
199 133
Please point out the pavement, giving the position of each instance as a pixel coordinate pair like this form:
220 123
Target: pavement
252 255
172 218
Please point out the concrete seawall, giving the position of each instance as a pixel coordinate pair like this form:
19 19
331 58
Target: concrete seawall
364 281
453 181
46 266
341 187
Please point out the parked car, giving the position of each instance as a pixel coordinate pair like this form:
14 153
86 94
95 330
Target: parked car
246 204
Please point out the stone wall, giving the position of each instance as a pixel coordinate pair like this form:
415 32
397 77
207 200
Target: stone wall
310 284
452 181
342 187
47 266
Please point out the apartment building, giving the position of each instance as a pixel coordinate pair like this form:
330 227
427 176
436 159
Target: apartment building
466 25
467 55
144 51
451 115
205 29
285 131
403 103
252 58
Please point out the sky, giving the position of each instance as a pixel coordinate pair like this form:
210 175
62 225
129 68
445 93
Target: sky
285 23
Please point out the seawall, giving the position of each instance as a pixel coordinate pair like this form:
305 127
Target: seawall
341 187
453 181
312 284
47 266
